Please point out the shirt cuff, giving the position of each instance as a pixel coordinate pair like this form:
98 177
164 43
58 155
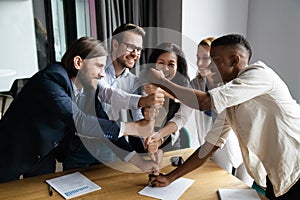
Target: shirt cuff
129 156
134 101
122 129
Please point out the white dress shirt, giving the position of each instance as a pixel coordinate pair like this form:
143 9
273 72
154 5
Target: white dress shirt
259 108
126 82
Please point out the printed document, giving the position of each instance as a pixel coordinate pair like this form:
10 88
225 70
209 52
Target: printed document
73 185
170 192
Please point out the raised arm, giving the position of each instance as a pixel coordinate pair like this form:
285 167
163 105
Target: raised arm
190 97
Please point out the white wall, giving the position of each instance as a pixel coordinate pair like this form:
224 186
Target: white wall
203 18
274 32
17 38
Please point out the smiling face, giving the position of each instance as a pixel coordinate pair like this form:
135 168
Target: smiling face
90 71
167 63
203 60
121 54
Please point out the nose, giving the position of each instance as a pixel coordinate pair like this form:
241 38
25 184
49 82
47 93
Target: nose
199 62
135 53
165 68
101 73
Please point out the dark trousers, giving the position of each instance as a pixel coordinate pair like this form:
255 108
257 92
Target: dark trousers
292 194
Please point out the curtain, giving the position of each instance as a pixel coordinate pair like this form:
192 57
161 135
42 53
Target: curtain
112 13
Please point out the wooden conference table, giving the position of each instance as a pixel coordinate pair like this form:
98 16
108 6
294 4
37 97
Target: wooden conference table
117 184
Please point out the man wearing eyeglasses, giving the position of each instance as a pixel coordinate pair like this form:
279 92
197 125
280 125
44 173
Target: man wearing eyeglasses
126 49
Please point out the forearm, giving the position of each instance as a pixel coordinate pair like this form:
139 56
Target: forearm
196 160
167 130
190 97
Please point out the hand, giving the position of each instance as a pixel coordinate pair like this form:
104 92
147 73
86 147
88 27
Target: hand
141 128
156 100
151 89
150 113
151 75
157 157
152 144
160 180
147 166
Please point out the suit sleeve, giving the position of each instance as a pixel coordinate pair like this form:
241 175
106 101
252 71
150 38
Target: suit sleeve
57 97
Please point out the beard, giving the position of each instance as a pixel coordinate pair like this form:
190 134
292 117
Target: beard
122 63
87 82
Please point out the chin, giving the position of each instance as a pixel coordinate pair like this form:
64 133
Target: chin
130 66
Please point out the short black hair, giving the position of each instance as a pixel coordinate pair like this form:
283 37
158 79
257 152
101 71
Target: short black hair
233 39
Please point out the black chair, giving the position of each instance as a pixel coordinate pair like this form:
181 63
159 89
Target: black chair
12 93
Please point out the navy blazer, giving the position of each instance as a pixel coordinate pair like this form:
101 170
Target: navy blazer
38 119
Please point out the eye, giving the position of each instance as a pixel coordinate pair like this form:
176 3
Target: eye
171 65
159 65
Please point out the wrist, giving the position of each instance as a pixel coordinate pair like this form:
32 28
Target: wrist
141 102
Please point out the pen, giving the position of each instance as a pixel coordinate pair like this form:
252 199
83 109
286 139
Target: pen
50 191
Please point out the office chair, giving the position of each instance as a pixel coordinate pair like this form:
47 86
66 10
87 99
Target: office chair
184 136
12 93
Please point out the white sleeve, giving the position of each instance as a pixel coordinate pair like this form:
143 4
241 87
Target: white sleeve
253 81
116 97
182 115
219 131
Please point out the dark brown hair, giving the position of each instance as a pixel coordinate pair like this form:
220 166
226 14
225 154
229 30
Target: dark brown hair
182 66
85 47
118 32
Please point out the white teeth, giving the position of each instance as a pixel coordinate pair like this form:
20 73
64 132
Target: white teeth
131 61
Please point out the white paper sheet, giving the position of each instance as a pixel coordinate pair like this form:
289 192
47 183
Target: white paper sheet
73 185
170 192
238 194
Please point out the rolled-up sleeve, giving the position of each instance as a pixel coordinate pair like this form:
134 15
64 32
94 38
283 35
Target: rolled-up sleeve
219 132
182 115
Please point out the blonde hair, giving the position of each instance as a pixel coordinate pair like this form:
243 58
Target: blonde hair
206 41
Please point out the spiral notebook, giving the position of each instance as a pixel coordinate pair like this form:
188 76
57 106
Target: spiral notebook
73 185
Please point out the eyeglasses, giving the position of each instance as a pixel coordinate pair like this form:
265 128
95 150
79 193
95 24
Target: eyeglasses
131 48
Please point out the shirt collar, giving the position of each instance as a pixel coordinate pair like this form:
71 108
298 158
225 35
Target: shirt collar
111 70
77 92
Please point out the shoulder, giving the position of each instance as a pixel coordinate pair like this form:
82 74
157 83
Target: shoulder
197 83
257 67
56 73
56 69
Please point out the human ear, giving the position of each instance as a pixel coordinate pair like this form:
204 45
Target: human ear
235 59
115 44
77 60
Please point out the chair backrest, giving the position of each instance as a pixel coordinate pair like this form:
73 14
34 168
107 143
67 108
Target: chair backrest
16 87
185 141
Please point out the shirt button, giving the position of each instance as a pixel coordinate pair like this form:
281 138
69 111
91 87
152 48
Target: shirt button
55 143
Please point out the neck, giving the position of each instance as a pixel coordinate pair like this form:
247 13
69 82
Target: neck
77 83
119 69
